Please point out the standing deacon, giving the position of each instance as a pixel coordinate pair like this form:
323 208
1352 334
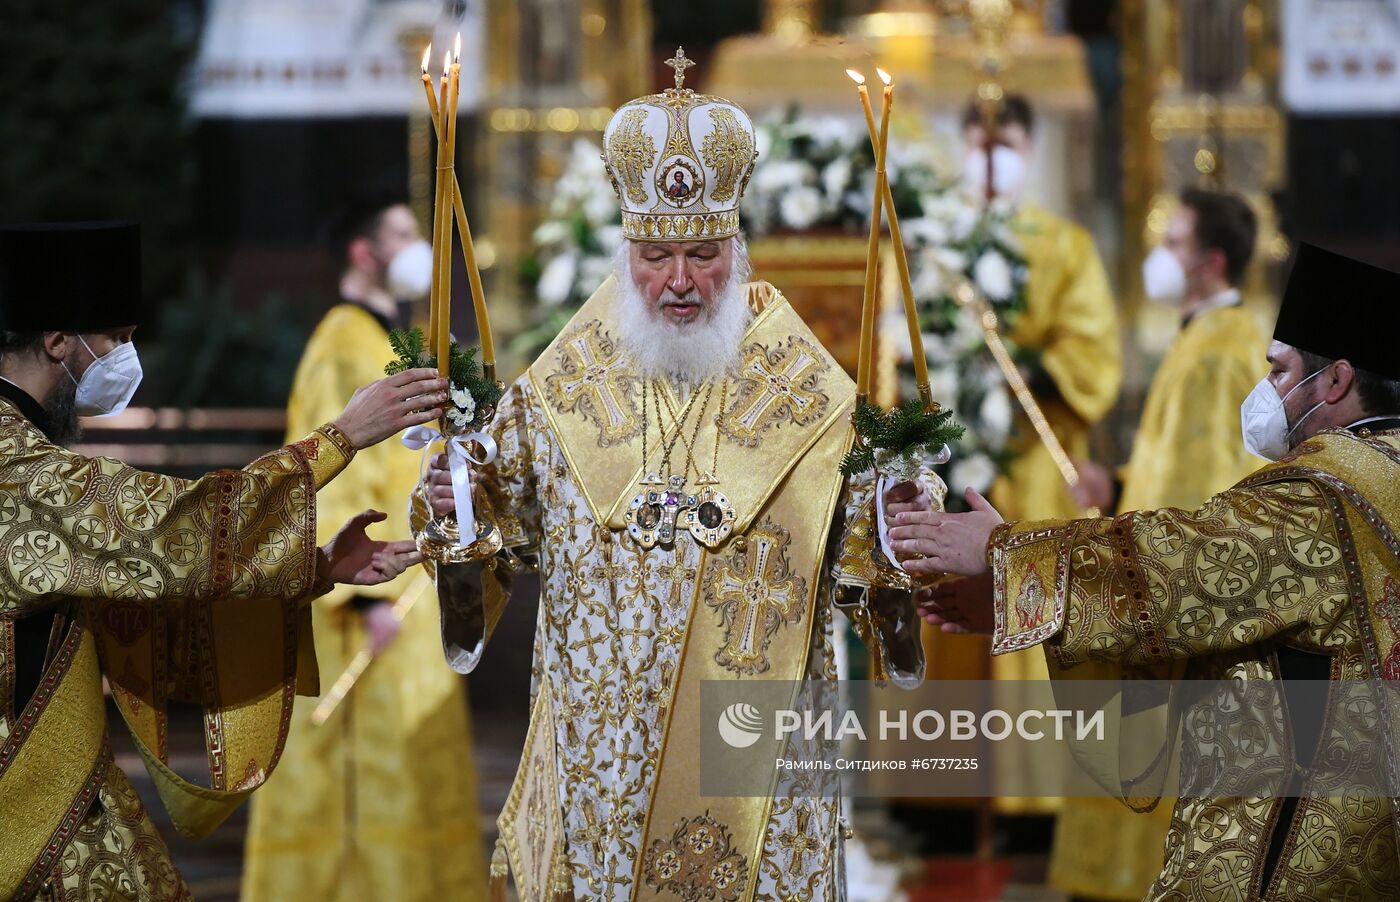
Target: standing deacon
670 463
1292 574
1185 451
379 801
171 590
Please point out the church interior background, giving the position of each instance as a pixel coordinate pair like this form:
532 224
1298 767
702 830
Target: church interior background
230 127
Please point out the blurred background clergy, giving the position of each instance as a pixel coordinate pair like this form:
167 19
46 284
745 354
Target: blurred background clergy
230 127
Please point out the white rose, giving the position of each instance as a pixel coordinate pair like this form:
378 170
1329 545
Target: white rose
995 415
781 175
993 276
600 207
835 177
457 418
464 409
964 221
763 143
609 237
928 281
975 471
461 397
943 385
557 280
953 262
800 208
550 232
592 272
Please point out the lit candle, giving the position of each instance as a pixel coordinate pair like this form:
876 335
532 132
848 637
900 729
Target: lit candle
483 323
437 212
901 255
872 255
442 243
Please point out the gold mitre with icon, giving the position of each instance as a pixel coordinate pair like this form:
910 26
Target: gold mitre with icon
679 162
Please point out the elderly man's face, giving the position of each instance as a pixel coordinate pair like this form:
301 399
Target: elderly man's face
680 279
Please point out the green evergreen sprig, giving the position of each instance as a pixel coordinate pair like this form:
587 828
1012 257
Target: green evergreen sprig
900 430
464 372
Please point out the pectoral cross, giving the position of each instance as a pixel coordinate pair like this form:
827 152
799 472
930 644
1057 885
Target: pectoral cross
680 62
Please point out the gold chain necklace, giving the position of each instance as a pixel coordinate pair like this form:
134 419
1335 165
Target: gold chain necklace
656 513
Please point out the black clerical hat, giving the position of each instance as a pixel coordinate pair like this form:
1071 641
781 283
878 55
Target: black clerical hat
70 276
1337 307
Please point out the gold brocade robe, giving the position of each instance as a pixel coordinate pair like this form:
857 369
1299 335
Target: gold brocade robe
380 801
175 591
1186 449
607 803
1302 555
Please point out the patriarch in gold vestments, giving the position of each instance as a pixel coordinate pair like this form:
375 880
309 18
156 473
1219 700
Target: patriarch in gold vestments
1185 451
173 591
1293 574
671 466
378 802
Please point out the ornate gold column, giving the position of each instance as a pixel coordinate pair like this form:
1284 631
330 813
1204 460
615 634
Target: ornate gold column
1200 107
556 70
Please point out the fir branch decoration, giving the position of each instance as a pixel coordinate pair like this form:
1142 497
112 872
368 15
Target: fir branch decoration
464 374
901 430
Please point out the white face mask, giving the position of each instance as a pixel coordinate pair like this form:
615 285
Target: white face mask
109 381
410 274
1163 276
1008 172
1264 421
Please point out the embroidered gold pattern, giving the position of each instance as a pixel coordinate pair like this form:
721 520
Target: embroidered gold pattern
729 150
778 386
630 152
697 863
755 593
680 226
594 382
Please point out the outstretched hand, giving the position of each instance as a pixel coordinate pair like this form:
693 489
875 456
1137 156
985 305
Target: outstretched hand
391 405
946 543
958 605
357 559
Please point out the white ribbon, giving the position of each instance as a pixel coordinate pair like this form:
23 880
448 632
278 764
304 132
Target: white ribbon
459 461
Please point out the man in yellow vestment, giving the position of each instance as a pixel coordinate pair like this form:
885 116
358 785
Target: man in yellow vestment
379 802
671 465
1292 574
173 591
1184 452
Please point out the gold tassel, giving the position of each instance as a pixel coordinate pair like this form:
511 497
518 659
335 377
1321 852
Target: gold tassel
500 872
563 884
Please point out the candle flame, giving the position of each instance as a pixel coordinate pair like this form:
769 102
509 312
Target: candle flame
457 49
446 63
884 76
856 76
427 52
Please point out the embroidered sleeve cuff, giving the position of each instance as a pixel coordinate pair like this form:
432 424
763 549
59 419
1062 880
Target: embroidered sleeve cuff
1030 568
326 451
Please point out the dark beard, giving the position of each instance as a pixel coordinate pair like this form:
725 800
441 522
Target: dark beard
61 409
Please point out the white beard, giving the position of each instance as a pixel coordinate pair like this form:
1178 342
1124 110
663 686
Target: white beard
691 352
